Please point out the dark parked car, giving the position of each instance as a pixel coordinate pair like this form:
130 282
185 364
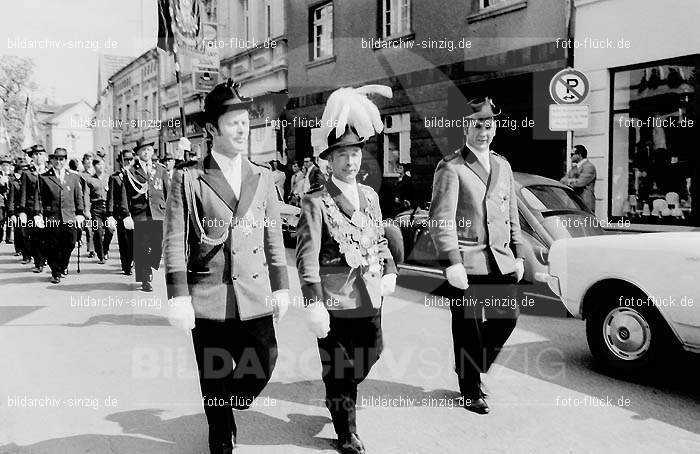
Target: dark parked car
548 211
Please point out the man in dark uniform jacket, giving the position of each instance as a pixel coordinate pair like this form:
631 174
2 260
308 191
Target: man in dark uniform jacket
87 173
33 235
345 269
476 231
146 190
225 264
58 210
96 186
117 209
12 205
5 187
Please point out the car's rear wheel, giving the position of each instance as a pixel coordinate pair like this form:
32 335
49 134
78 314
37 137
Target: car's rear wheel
626 338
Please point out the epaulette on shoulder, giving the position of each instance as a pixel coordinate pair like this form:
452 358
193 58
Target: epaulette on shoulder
451 156
498 155
366 188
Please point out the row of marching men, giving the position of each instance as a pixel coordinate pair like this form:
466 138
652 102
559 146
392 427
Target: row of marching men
47 206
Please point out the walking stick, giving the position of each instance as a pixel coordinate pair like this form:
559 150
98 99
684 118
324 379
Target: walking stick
80 241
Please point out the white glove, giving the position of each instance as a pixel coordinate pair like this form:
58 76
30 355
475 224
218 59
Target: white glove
181 312
183 145
39 221
318 319
13 220
457 276
111 223
519 269
128 223
22 218
388 284
280 304
79 220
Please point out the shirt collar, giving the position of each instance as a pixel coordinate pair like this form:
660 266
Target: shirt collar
225 162
343 186
483 157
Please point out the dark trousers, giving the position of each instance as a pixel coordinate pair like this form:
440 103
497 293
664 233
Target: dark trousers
20 247
482 321
97 225
252 346
125 240
60 242
25 246
88 238
148 248
347 354
35 239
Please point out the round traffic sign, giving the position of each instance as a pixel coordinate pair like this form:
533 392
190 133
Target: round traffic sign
569 86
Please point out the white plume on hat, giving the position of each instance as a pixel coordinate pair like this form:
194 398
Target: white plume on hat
350 107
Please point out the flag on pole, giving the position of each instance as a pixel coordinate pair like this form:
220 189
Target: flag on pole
165 31
180 24
29 131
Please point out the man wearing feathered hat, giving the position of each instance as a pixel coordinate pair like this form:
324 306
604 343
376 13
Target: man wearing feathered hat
344 264
476 230
225 265
146 187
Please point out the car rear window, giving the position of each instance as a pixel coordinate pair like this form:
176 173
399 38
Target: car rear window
544 197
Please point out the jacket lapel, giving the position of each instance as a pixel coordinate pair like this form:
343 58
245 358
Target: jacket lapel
495 173
250 177
214 178
140 171
471 161
54 178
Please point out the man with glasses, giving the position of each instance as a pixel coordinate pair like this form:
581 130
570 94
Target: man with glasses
581 177
476 230
59 209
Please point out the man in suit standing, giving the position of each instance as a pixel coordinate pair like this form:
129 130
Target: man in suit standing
96 186
6 177
581 177
33 235
345 269
117 210
225 265
475 226
58 210
146 189
13 206
86 174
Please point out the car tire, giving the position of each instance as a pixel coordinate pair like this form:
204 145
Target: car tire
626 339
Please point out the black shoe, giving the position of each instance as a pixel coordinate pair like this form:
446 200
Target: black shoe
25 261
127 272
90 255
351 444
146 286
38 269
9 241
476 404
101 262
55 279
17 254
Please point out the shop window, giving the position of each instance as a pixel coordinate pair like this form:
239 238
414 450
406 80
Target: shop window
654 132
397 143
322 31
396 18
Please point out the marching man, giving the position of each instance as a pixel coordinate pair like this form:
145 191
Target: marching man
476 230
225 265
344 264
58 209
145 189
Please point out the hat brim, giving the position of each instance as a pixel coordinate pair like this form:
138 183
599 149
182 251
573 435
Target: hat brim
325 153
213 117
483 115
139 146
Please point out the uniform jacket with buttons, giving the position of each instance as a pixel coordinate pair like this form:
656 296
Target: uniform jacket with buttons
116 205
235 278
323 270
13 196
151 205
56 201
474 214
28 192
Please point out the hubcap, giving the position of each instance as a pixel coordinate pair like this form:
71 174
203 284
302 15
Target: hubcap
627 334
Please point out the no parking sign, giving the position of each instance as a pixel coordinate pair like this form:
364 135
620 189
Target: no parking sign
569 86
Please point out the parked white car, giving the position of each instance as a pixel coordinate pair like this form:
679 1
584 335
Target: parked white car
639 294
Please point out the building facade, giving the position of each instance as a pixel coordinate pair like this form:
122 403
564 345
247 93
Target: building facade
69 127
255 55
643 100
136 101
436 58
